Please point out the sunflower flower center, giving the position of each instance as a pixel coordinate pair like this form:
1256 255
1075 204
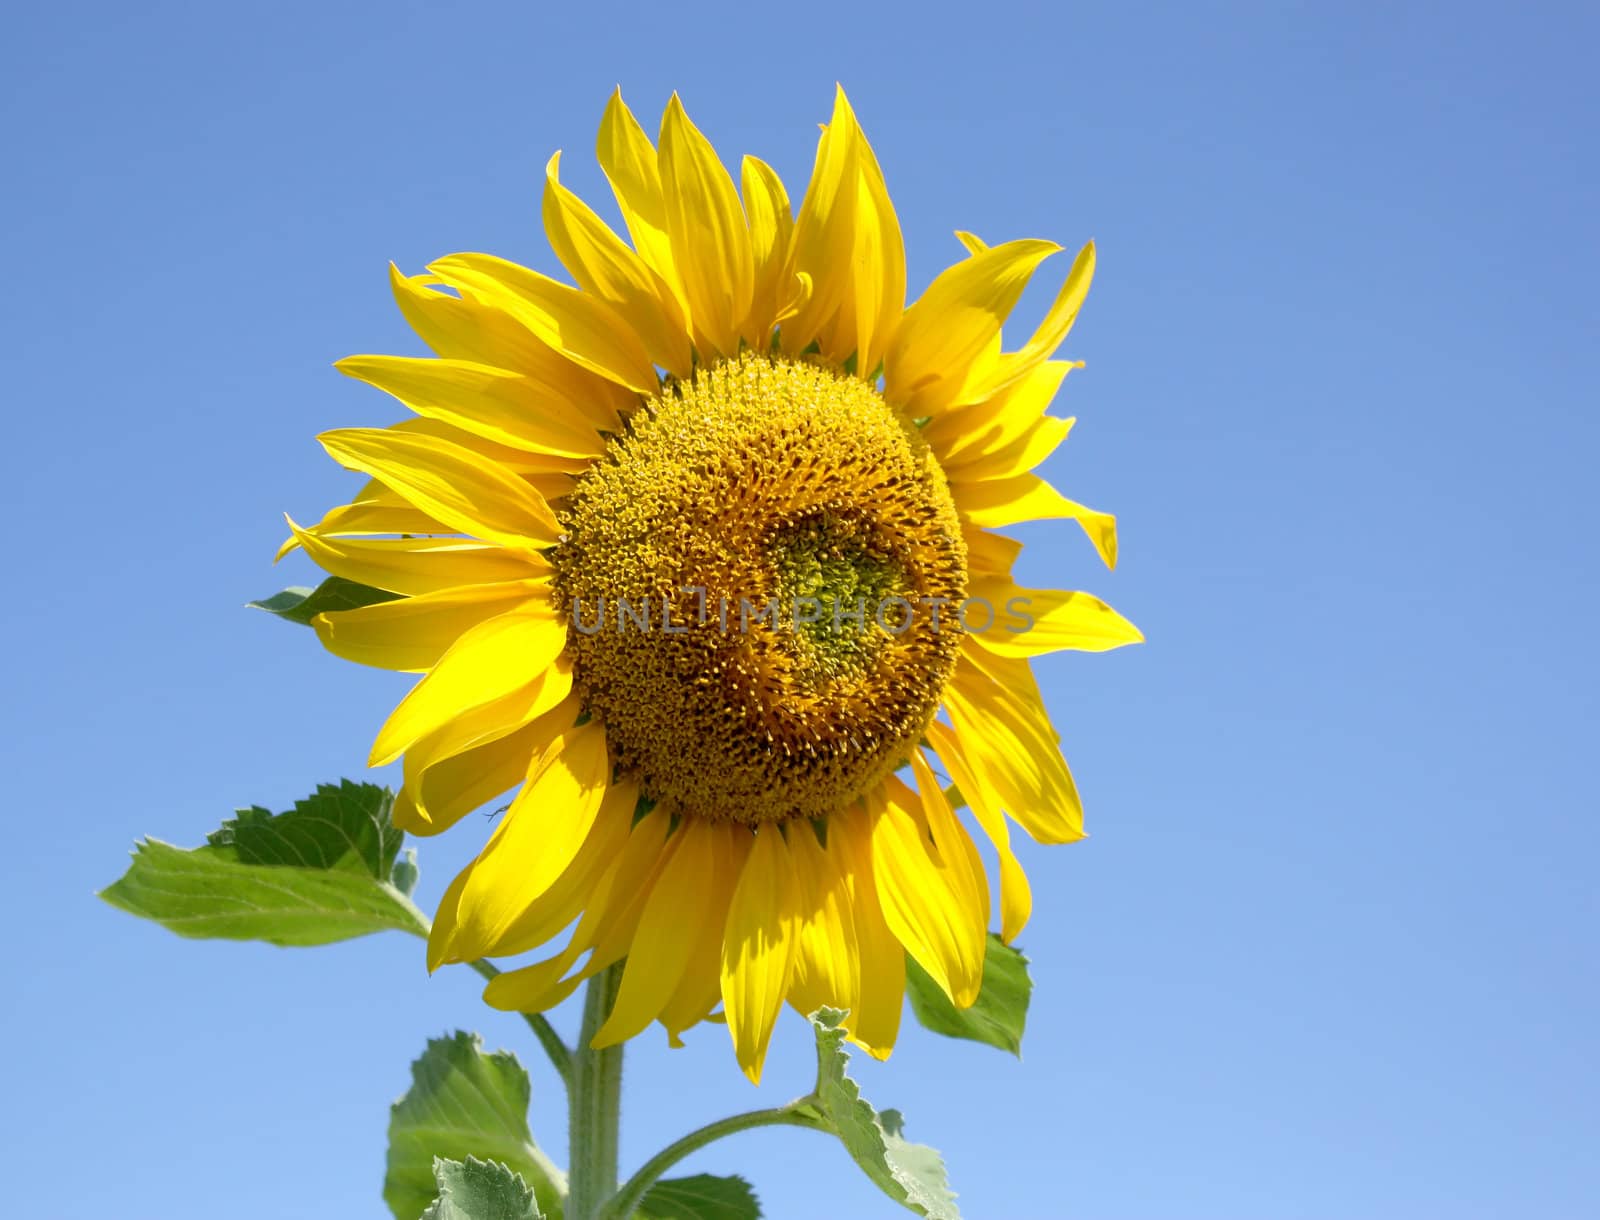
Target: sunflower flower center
754 573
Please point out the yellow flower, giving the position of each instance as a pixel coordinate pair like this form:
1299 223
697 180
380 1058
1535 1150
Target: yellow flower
699 553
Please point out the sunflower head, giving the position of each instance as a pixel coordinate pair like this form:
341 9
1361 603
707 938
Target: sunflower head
685 551
777 526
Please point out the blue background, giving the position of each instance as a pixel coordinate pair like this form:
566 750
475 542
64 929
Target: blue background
1330 951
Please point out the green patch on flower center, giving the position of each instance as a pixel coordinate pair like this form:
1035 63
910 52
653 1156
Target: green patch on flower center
838 578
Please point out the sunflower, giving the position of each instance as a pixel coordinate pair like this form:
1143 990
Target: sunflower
699 553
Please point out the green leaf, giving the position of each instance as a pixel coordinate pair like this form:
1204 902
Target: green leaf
480 1190
464 1103
314 875
203 894
1001 1009
912 1174
300 605
702 1197
346 828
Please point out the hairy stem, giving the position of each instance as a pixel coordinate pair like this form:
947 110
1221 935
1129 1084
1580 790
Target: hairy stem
594 1105
795 1114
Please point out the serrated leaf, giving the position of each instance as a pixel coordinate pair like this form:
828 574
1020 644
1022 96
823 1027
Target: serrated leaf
463 1103
1000 1012
300 604
480 1190
314 875
205 894
344 827
702 1197
912 1174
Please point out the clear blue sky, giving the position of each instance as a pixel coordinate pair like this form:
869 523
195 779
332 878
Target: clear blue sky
1331 950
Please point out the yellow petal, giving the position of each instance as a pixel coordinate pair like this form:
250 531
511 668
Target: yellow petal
414 632
556 908
482 753
758 947
924 879
987 426
1023 454
582 328
1057 323
952 842
710 237
874 291
1013 680
462 328
611 914
699 988
887 268
971 242
1027 497
537 987
989 553
673 915
824 232
794 300
536 840
954 322
417 565
650 849
826 967
606 267
492 403
375 493
1013 675
442 935
1033 622
524 462
549 475
449 483
354 519
629 161
766 204
874 1021
492 660
1016 895
1014 756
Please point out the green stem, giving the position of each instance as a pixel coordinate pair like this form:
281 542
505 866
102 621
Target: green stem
795 1114
558 1052
594 1105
